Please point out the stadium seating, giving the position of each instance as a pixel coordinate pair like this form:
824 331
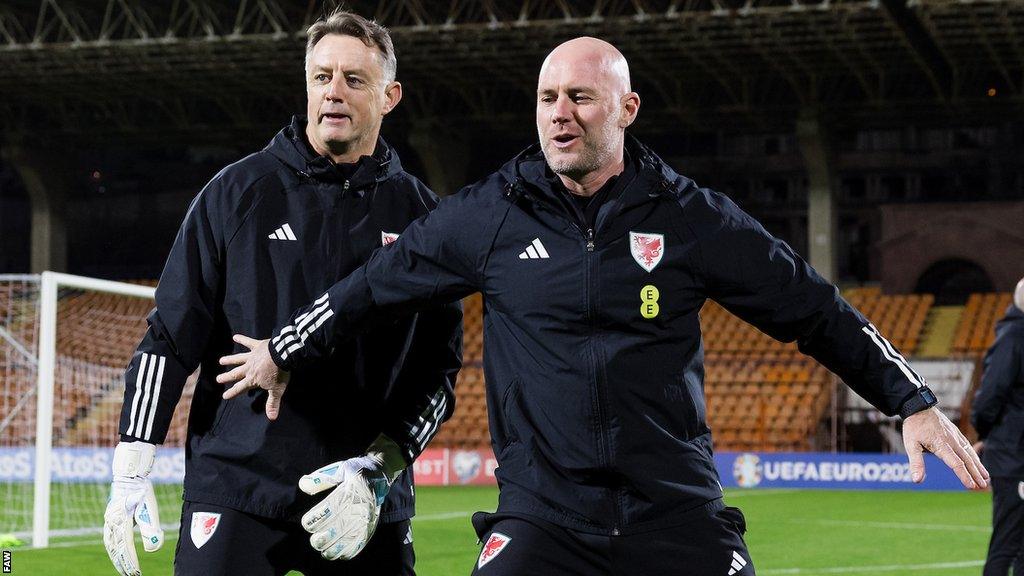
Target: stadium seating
473 330
976 330
468 426
96 336
766 395
899 317
761 394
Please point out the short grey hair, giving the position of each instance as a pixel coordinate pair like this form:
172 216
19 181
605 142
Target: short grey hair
348 24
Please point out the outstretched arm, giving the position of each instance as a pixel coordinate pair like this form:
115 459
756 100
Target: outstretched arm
763 281
438 260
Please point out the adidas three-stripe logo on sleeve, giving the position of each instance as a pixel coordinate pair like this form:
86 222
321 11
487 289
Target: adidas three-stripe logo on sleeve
146 396
293 336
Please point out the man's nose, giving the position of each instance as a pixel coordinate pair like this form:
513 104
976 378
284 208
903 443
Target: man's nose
336 89
562 110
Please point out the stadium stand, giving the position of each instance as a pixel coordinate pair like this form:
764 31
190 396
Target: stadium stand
765 395
97 333
975 332
468 426
900 317
761 394
17 362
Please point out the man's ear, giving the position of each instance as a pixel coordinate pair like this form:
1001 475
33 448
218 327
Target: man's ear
630 107
392 96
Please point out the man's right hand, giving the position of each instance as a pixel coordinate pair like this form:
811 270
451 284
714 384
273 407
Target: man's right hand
931 430
131 502
254 369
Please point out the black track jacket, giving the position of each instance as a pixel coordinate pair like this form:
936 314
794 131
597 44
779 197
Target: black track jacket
267 234
593 350
998 409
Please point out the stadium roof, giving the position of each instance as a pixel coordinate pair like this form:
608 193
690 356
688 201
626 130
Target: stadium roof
210 68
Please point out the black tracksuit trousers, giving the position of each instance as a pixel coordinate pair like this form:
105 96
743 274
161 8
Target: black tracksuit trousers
1007 544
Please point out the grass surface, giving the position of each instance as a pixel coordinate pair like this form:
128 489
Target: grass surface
806 533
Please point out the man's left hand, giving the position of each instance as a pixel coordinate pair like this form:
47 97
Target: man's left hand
930 430
254 369
343 523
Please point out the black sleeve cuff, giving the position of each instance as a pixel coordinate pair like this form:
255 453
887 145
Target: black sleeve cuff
282 364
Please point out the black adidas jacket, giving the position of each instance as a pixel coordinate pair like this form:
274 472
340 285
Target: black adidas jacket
998 409
593 351
268 234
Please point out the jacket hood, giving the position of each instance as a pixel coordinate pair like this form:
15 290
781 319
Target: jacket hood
1013 314
529 166
292 149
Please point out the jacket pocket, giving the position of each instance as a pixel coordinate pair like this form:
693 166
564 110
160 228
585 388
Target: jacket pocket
509 402
223 409
688 408
734 516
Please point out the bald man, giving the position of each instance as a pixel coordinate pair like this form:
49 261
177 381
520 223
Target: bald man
998 415
594 259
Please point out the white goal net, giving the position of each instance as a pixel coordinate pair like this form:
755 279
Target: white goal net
64 344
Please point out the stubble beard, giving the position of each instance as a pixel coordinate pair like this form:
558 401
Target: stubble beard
591 158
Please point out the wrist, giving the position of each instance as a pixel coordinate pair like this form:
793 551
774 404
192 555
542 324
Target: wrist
389 454
133 459
918 401
280 362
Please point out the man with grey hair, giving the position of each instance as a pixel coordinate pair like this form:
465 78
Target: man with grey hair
267 234
594 258
998 415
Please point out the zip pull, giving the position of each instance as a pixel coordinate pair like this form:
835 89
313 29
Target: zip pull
344 189
590 239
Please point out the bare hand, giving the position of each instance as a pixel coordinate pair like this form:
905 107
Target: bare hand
254 369
930 430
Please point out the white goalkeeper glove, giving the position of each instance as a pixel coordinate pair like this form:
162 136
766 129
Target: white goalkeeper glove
131 502
344 522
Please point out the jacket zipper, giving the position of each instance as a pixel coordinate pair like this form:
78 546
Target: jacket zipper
335 248
599 402
605 447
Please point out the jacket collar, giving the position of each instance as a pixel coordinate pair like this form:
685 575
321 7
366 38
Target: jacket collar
291 147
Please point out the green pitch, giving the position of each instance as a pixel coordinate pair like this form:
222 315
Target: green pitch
804 533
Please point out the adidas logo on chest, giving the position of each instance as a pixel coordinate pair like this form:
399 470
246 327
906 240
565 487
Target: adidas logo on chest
534 251
284 232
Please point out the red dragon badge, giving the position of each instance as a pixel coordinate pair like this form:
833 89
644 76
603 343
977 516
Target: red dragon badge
647 249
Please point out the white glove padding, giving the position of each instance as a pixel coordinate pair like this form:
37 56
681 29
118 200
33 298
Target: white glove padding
343 522
131 502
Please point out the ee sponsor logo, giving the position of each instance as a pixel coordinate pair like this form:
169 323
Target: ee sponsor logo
649 297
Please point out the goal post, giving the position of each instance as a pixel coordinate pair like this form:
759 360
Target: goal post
50 283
